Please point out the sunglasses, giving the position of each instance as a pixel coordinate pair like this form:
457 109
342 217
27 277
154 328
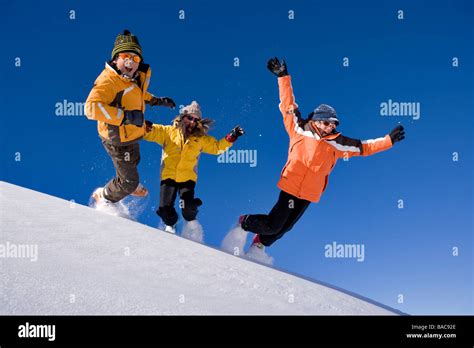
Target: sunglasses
327 123
192 118
135 58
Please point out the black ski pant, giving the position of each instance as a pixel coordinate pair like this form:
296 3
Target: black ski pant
189 205
283 216
125 159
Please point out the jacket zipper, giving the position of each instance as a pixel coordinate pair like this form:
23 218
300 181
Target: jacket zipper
125 127
125 131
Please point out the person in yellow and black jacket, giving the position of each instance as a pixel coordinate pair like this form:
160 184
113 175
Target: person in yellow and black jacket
117 102
182 143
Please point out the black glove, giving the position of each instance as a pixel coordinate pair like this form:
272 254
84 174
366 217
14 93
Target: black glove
276 68
397 134
148 126
236 132
134 117
162 101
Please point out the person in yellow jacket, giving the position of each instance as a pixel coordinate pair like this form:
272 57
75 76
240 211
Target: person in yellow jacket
314 148
182 143
117 102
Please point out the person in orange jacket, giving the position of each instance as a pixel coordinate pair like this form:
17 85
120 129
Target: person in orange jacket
117 102
315 146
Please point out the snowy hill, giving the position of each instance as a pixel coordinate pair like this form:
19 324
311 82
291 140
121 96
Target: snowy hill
57 257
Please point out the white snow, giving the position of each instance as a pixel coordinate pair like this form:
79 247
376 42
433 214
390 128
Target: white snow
116 209
89 262
234 243
259 255
193 230
129 207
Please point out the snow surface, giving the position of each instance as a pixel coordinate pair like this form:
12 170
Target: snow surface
90 262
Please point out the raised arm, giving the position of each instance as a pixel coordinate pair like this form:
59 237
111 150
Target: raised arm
287 106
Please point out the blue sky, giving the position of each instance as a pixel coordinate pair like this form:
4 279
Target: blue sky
407 251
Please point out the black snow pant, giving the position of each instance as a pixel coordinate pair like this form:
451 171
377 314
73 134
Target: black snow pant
189 205
286 212
125 159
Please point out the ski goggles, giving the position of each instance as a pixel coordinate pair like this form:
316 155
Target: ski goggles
135 58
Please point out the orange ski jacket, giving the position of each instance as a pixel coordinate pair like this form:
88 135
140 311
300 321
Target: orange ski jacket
311 157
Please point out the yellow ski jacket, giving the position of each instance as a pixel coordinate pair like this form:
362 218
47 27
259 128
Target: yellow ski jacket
179 160
110 96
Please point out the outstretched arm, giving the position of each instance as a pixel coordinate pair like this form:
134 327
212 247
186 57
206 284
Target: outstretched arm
151 100
155 132
213 146
347 147
147 97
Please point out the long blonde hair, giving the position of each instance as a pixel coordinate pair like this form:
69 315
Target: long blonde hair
202 126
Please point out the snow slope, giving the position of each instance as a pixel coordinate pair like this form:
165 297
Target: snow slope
89 262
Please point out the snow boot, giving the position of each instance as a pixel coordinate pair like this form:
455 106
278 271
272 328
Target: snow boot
98 196
257 252
241 222
193 230
235 240
256 242
140 191
170 229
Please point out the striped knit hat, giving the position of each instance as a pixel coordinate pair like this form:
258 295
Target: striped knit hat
126 42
